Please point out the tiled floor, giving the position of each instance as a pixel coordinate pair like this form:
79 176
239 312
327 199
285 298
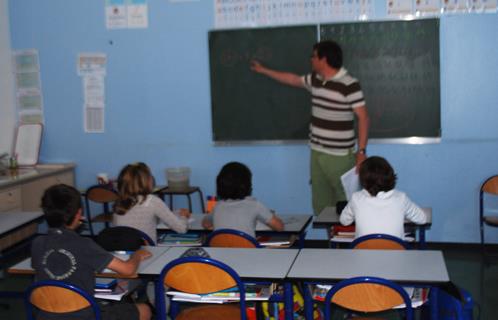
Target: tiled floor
465 267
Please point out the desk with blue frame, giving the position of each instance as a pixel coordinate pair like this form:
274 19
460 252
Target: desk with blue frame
408 267
294 224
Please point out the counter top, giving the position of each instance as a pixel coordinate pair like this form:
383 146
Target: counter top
26 174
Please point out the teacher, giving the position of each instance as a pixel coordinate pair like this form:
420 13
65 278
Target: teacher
336 97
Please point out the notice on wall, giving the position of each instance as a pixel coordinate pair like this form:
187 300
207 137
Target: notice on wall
115 14
91 64
137 14
92 68
427 7
28 86
399 7
122 14
240 13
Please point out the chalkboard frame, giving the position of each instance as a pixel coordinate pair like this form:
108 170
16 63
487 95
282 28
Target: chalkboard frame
412 139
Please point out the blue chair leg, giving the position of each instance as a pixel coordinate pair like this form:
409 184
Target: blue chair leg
308 302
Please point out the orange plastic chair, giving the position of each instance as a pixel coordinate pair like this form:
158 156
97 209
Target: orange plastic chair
230 238
378 241
488 188
58 297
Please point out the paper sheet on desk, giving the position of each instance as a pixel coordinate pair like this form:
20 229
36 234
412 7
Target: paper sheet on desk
350 182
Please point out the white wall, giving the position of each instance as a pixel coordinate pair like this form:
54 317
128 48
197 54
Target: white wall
7 100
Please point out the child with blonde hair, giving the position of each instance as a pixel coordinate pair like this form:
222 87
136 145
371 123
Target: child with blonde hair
138 208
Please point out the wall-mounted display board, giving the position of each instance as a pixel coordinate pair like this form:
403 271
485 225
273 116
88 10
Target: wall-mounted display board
247 106
397 63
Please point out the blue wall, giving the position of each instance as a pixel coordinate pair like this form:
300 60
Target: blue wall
158 109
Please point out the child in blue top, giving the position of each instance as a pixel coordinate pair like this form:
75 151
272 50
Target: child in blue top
236 208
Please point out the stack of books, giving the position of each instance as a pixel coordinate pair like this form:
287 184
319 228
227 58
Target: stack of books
254 292
180 239
282 241
110 289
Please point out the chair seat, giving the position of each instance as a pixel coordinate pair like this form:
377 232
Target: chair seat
103 217
492 221
219 312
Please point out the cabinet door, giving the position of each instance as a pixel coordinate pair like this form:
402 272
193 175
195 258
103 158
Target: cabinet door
10 200
33 191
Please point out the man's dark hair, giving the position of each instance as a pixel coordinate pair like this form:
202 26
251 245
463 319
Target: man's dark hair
376 174
60 203
234 181
331 51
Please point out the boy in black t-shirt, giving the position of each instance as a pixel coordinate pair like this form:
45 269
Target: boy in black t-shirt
64 255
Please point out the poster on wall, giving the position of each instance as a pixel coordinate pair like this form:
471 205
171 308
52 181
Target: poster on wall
115 14
399 7
122 14
137 14
28 86
92 68
251 13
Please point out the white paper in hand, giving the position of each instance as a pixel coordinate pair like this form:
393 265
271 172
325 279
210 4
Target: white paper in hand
350 182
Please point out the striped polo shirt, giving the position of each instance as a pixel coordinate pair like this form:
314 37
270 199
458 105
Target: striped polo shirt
332 116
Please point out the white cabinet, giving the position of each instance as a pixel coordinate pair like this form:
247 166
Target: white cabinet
33 191
10 200
22 190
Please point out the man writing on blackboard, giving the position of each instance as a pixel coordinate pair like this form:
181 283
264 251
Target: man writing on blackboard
336 98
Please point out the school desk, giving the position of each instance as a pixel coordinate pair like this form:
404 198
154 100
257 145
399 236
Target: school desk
13 225
294 224
24 267
16 227
329 217
250 264
412 267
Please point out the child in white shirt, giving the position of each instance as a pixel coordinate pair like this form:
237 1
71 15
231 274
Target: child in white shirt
379 208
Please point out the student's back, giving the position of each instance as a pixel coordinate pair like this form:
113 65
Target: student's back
384 213
138 208
379 208
236 209
64 255
240 215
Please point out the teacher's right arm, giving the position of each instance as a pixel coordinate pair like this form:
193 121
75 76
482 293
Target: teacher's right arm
287 78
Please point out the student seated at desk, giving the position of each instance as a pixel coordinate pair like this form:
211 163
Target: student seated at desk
64 255
138 208
236 208
379 208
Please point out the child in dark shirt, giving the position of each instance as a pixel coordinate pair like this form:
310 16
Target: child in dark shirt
64 255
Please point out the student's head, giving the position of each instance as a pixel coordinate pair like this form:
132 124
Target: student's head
331 51
376 174
234 181
134 180
61 204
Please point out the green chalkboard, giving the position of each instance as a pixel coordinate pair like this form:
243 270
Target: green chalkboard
247 106
397 63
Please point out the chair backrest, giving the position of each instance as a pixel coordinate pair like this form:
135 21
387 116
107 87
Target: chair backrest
230 238
379 241
199 275
101 194
58 297
368 294
490 185
123 238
